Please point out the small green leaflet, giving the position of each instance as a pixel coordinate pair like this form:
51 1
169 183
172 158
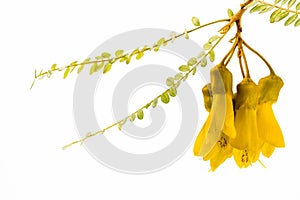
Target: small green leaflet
276 1
172 92
192 61
196 21
170 81
298 6
291 3
132 117
154 104
80 68
184 68
297 23
107 68
105 55
213 38
207 46
274 15
165 98
212 56
281 16
139 55
291 20
119 53
230 13
140 114
66 72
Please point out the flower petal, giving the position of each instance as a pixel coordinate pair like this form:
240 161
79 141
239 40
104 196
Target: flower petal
267 150
201 136
268 127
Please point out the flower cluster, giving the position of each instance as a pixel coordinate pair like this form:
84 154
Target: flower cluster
241 125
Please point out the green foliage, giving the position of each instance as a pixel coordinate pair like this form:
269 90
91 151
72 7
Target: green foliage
53 67
172 91
196 21
121 123
132 117
107 67
207 46
105 55
211 56
258 7
139 55
170 81
281 16
230 13
297 23
184 68
67 71
298 6
140 114
203 62
283 9
291 3
186 34
273 15
165 98
213 38
194 70
154 103
80 68
192 61
119 53
291 20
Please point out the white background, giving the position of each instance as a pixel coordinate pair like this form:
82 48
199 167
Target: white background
35 124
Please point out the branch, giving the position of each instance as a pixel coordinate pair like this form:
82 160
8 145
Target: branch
105 61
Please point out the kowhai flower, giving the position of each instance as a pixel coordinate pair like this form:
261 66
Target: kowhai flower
221 150
247 142
268 128
213 140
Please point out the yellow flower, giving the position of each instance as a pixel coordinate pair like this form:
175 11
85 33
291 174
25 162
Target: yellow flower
221 116
212 141
268 127
221 150
247 142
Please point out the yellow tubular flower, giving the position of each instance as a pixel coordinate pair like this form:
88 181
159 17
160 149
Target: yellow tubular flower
221 150
268 127
221 116
247 139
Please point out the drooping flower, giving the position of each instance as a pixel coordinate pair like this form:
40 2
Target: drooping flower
221 150
247 142
212 142
268 128
221 116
